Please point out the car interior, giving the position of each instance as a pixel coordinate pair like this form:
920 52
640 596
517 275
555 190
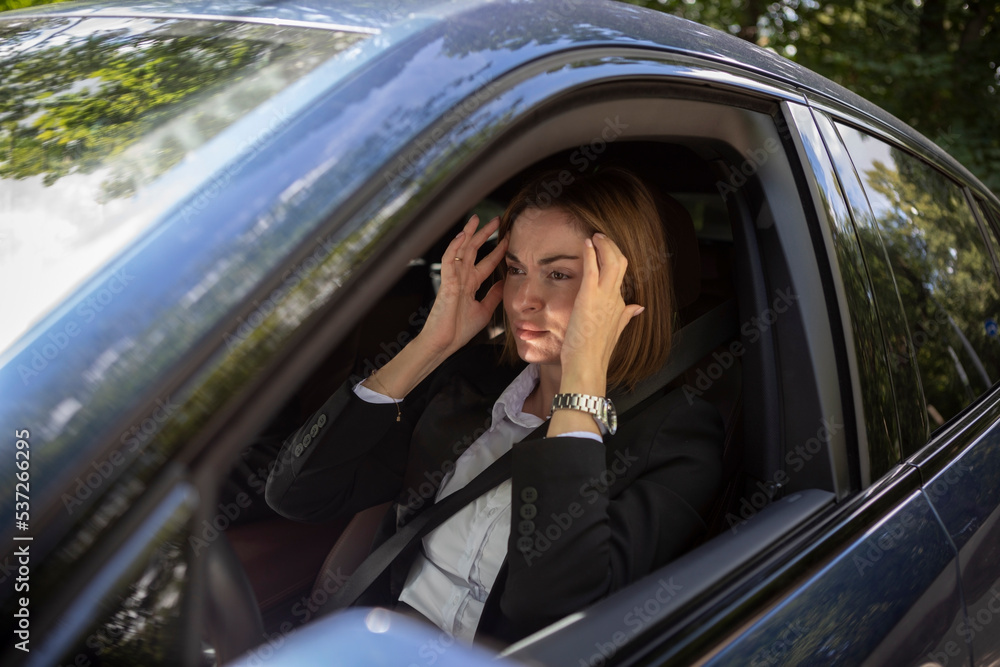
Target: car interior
727 239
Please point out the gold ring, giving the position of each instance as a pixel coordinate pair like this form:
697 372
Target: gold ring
458 259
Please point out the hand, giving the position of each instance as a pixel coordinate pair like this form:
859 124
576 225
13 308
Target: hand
456 315
599 316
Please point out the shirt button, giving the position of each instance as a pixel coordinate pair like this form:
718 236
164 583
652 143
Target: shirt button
299 449
306 439
528 511
314 430
493 510
321 422
529 494
525 544
526 527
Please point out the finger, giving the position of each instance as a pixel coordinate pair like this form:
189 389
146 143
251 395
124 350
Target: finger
448 264
611 261
468 233
493 297
487 265
451 251
591 269
628 314
486 232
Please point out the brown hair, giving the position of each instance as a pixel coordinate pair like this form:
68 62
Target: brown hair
616 203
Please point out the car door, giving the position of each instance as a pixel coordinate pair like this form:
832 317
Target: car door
872 577
945 268
887 588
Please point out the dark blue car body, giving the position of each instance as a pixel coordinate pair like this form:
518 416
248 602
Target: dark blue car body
862 529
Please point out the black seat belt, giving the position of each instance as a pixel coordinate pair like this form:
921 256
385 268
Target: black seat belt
692 342
379 560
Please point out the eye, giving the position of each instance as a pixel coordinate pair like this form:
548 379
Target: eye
513 271
559 275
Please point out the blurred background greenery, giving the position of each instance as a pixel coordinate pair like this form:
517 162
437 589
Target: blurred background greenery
933 63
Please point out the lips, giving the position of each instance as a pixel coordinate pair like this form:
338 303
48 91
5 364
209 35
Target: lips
525 331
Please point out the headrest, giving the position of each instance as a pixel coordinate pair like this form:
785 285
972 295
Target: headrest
682 244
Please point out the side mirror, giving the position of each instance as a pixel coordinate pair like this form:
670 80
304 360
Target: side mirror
366 638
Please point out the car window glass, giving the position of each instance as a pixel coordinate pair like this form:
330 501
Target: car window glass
991 225
93 111
133 611
942 269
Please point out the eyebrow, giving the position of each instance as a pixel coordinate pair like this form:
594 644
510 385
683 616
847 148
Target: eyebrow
545 260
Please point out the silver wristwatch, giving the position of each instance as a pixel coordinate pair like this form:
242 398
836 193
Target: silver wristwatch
602 408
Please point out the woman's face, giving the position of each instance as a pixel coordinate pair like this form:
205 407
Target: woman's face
544 271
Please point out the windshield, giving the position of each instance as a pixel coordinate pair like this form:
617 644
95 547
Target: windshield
96 114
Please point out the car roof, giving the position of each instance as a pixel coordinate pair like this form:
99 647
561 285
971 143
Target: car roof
584 23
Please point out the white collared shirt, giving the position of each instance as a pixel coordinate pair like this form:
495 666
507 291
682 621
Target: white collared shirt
451 579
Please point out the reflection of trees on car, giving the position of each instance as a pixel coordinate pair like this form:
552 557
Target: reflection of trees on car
76 102
883 434
112 89
941 269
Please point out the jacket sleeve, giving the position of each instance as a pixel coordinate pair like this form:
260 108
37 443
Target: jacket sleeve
346 457
588 518
350 454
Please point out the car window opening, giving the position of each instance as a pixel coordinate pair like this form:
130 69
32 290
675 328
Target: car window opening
701 240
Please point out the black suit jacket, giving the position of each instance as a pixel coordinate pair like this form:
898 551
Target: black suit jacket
587 517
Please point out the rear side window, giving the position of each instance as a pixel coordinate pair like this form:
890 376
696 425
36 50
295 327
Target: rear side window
943 271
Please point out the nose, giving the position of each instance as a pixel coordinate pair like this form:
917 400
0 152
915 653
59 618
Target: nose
527 296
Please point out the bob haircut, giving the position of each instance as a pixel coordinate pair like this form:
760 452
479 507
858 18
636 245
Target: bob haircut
614 202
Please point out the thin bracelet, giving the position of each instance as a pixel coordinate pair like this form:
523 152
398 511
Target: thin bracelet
399 412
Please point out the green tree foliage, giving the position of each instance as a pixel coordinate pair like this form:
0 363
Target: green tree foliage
6 5
74 104
935 64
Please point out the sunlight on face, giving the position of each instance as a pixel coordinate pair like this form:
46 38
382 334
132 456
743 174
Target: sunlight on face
544 271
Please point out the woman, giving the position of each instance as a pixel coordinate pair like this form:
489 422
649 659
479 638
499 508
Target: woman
588 508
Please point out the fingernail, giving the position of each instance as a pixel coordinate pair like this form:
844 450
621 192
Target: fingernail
460 234
639 312
600 235
588 243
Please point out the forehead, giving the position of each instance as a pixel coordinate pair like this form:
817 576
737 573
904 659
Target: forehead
540 230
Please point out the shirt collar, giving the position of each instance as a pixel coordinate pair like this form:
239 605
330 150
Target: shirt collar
511 401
